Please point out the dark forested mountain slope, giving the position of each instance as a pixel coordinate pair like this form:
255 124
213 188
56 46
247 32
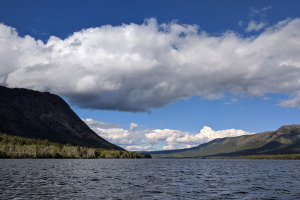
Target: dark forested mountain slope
38 115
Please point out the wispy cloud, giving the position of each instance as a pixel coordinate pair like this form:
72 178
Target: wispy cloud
294 102
258 19
136 67
97 124
233 100
255 26
254 12
135 139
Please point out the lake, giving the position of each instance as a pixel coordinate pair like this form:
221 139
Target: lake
132 179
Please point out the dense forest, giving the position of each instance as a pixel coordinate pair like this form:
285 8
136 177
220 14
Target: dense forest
20 147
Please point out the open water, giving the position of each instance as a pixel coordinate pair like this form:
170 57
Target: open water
149 179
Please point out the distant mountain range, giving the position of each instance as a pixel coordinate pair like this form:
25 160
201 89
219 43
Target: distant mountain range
38 115
286 140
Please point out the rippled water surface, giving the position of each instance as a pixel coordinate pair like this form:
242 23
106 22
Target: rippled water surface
149 179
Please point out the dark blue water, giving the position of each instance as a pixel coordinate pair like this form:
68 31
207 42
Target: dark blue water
149 179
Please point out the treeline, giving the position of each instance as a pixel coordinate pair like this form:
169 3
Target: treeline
277 156
20 147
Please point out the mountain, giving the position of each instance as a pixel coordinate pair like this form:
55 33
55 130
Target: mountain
42 115
286 140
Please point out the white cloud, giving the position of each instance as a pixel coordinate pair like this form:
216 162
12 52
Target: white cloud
157 135
97 124
133 126
293 102
138 148
176 139
118 136
255 26
158 139
169 147
138 67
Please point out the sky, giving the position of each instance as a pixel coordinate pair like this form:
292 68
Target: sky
153 75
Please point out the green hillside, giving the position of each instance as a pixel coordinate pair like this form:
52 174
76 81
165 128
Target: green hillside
20 147
286 140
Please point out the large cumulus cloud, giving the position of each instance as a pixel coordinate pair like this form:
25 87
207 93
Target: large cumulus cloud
135 67
135 138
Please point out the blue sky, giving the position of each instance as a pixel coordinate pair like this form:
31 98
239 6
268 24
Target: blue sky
157 72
